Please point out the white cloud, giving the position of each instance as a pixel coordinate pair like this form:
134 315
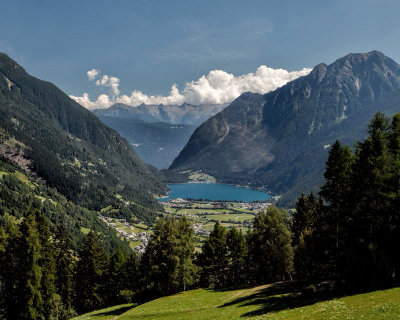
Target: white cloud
92 74
103 101
216 87
110 82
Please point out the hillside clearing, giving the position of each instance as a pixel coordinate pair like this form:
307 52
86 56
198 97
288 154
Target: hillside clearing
277 301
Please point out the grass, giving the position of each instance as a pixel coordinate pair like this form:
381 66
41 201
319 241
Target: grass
276 301
85 230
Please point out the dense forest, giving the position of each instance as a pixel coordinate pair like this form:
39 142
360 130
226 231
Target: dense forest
344 239
65 145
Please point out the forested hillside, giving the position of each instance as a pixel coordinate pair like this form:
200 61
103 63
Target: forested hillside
54 138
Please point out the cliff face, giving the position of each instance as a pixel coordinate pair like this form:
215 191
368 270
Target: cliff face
280 140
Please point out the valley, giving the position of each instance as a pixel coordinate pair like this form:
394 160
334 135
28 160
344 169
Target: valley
202 214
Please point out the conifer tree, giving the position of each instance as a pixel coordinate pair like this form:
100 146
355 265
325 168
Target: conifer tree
116 276
161 258
270 250
336 193
187 271
64 270
213 257
24 299
236 258
90 274
371 205
51 303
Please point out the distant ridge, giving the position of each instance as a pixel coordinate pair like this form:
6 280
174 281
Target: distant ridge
175 114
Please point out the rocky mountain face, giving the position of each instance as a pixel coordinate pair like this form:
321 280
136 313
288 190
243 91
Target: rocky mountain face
280 140
55 139
175 114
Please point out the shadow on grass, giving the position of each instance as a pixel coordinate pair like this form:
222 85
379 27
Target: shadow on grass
277 297
115 312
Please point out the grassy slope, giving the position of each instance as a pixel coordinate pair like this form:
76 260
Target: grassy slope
264 302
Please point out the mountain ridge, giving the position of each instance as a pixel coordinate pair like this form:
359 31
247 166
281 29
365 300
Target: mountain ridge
68 147
276 140
175 114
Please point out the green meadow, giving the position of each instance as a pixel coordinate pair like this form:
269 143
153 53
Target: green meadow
277 301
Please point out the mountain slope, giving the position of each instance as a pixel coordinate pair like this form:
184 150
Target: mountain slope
56 139
156 143
263 302
280 140
175 114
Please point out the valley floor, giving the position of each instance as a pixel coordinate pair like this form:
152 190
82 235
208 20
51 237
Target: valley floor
276 301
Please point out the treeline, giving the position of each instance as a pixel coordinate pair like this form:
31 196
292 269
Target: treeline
42 278
350 233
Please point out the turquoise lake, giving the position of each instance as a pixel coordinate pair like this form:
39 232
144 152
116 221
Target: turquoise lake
214 191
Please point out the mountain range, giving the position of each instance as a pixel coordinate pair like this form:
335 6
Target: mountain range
157 132
156 143
279 141
174 114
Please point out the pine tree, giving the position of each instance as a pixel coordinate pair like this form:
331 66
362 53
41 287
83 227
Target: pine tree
64 270
236 257
131 278
116 276
336 193
308 209
160 260
393 218
270 250
47 264
3 270
371 205
24 299
90 274
213 258
187 271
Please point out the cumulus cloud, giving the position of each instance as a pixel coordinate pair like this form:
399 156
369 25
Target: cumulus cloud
92 74
103 101
110 82
216 87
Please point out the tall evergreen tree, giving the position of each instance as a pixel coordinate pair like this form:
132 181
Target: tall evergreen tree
187 271
64 270
308 209
3 269
236 258
161 258
51 303
24 299
213 257
90 274
336 193
371 205
116 276
270 250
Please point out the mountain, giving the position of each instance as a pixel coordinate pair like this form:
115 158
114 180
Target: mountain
175 114
280 140
56 140
156 143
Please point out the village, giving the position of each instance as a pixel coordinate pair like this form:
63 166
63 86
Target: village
202 214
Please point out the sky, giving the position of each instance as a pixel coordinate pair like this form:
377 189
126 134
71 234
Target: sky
105 51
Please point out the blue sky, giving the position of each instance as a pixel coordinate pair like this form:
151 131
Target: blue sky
149 45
